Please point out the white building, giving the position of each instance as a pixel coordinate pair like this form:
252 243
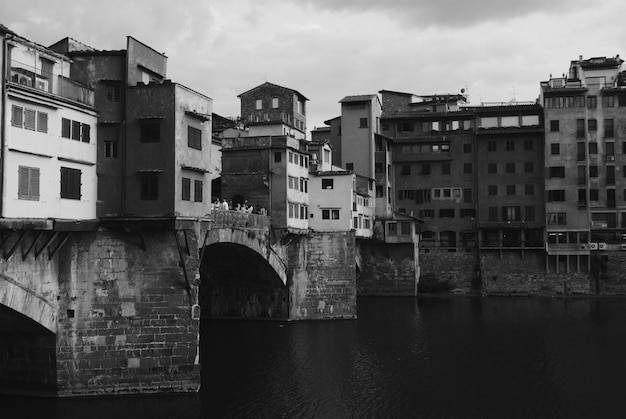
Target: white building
48 136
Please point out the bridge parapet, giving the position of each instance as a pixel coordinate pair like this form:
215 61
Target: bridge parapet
226 218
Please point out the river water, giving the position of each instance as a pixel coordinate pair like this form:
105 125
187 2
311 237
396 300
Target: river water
457 357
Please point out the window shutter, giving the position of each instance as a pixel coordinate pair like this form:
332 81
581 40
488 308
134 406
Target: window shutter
76 130
22 187
86 132
29 119
66 127
17 116
42 122
34 183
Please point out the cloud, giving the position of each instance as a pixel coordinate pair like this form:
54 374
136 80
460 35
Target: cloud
447 13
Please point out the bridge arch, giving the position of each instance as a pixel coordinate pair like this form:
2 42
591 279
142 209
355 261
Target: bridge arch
24 301
241 276
252 240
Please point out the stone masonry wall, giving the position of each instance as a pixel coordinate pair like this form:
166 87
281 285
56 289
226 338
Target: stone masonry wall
458 268
322 276
125 322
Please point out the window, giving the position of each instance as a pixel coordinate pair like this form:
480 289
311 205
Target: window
556 195
467 148
608 128
510 167
509 145
529 213
407 126
592 102
363 123
593 147
17 116
378 168
492 146
529 189
555 149
150 132
330 214
580 151
349 166
76 130
554 125
446 213
70 183
274 102
258 104
467 168
406 169
426 169
492 168
28 183
85 133
149 187
66 128
327 184
29 119
468 212
608 101
556 218
510 190
445 168
278 157
492 190
528 144
113 92
194 138
467 195
594 195
580 128
110 149
529 167
557 171
198 190
186 189
582 175
511 214
593 171
592 125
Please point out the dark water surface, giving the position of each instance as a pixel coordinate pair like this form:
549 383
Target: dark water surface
459 357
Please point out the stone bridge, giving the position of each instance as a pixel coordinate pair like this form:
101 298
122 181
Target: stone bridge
117 309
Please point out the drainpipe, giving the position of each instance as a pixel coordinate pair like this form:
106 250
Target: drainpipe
3 123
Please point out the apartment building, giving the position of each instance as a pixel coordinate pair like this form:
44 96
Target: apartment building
585 129
154 148
509 156
49 139
434 164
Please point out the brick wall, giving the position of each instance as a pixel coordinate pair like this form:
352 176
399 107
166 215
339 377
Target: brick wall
125 321
457 268
322 276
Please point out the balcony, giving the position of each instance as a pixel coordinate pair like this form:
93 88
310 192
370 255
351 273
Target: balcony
38 80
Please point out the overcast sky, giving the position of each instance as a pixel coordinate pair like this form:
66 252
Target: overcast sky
327 49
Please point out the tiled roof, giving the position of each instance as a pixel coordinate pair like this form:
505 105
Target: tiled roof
268 84
358 98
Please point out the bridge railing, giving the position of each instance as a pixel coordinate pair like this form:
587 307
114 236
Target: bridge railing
226 218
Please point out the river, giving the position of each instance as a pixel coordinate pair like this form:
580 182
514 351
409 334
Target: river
457 357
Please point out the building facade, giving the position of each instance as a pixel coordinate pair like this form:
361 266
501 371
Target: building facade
49 137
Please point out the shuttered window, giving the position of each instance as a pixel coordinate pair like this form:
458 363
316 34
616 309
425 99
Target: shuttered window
17 116
29 119
194 138
197 190
42 121
76 130
66 127
186 195
70 183
85 131
28 183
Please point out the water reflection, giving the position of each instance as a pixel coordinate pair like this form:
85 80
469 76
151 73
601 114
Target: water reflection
456 357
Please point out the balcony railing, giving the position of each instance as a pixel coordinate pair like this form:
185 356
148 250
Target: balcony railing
38 79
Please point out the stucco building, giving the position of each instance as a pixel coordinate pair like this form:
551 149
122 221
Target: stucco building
49 139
